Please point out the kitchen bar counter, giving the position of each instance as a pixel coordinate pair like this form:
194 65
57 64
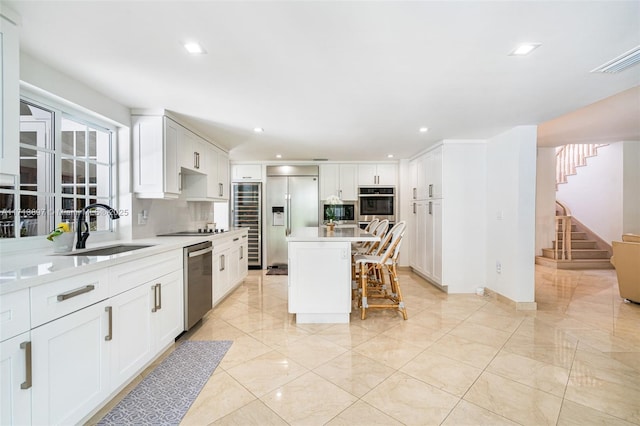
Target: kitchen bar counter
320 273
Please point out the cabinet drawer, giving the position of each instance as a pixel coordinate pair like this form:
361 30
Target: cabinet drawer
14 314
59 298
128 275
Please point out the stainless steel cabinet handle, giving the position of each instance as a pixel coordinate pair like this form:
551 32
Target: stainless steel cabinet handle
28 371
414 208
430 190
76 292
220 189
236 239
109 310
159 295
155 298
414 193
241 252
340 194
179 181
430 210
222 262
196 160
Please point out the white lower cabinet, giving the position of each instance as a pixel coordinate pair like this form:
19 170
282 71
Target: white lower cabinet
426 244
15 386
70 366
132 340
230 265
144 321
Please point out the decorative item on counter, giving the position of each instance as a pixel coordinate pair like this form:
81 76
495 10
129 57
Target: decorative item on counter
62 238
331 211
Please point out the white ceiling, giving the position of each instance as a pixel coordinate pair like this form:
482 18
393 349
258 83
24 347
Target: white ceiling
344 80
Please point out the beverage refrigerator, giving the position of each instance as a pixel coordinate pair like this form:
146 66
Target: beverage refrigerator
246 212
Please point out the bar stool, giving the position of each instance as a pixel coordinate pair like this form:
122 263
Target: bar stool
371 270
377 228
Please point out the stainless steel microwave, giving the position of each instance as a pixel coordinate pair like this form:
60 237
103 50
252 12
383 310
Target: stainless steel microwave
345 212
376 202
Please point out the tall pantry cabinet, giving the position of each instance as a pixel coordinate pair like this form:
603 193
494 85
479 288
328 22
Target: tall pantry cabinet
447 219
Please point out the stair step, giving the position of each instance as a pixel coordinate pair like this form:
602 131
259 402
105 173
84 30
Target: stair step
578 244
574 264
577 254
574 236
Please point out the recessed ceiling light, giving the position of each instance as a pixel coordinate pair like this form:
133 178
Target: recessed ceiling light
389 155
524 49
194 48
278 155
258 129
424 129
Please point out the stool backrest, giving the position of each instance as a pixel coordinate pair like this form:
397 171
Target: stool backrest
390 247
371 225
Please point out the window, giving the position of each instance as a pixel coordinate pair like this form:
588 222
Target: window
65 165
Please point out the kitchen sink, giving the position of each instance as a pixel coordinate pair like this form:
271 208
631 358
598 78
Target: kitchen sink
109 250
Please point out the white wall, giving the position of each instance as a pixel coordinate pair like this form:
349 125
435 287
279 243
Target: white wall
511 185
403 197
545 198
464 241
631 188
594 193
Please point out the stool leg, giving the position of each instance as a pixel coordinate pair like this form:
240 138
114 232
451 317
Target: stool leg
363 288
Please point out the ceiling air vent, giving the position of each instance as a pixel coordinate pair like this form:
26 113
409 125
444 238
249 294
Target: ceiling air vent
621 63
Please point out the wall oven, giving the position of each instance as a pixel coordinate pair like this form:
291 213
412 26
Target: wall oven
378 202
344 213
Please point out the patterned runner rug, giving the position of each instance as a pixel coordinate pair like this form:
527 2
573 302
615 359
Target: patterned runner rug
165 395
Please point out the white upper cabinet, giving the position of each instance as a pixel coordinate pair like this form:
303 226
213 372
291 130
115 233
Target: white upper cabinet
340 180
241 172
377 174
10 91
156 172
427 175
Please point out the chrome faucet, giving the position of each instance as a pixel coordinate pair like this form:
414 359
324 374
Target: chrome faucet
83 235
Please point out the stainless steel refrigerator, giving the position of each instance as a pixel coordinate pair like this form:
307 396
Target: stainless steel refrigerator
292 202
246 211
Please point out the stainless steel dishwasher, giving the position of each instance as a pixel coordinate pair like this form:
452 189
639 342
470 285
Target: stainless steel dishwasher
197 282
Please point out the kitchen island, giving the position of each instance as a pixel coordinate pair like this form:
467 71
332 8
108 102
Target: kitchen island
320 273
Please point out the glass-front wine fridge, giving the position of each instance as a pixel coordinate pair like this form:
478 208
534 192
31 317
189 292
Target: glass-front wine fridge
246 210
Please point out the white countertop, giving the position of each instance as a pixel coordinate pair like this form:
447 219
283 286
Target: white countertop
339 234
24 269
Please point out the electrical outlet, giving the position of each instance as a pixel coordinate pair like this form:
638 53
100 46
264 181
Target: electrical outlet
498 267
141 219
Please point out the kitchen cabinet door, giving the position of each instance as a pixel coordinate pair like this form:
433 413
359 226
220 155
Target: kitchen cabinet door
377 174
329 180
70 366
168 319
131 342
221 277
252 172
348 189
223 175
15 389
156 168
10 89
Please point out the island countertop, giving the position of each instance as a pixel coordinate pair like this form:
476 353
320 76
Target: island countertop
339 234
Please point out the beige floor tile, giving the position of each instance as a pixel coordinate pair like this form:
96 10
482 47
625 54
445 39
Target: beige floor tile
278 336
466 413
311 351
411 401
256 413
243 349
355 373
220 396
537 374
308 400
266 372
517 402
346 335
442 372
415 333
503 321
363 414
482 334
389 351
475 354
573 414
